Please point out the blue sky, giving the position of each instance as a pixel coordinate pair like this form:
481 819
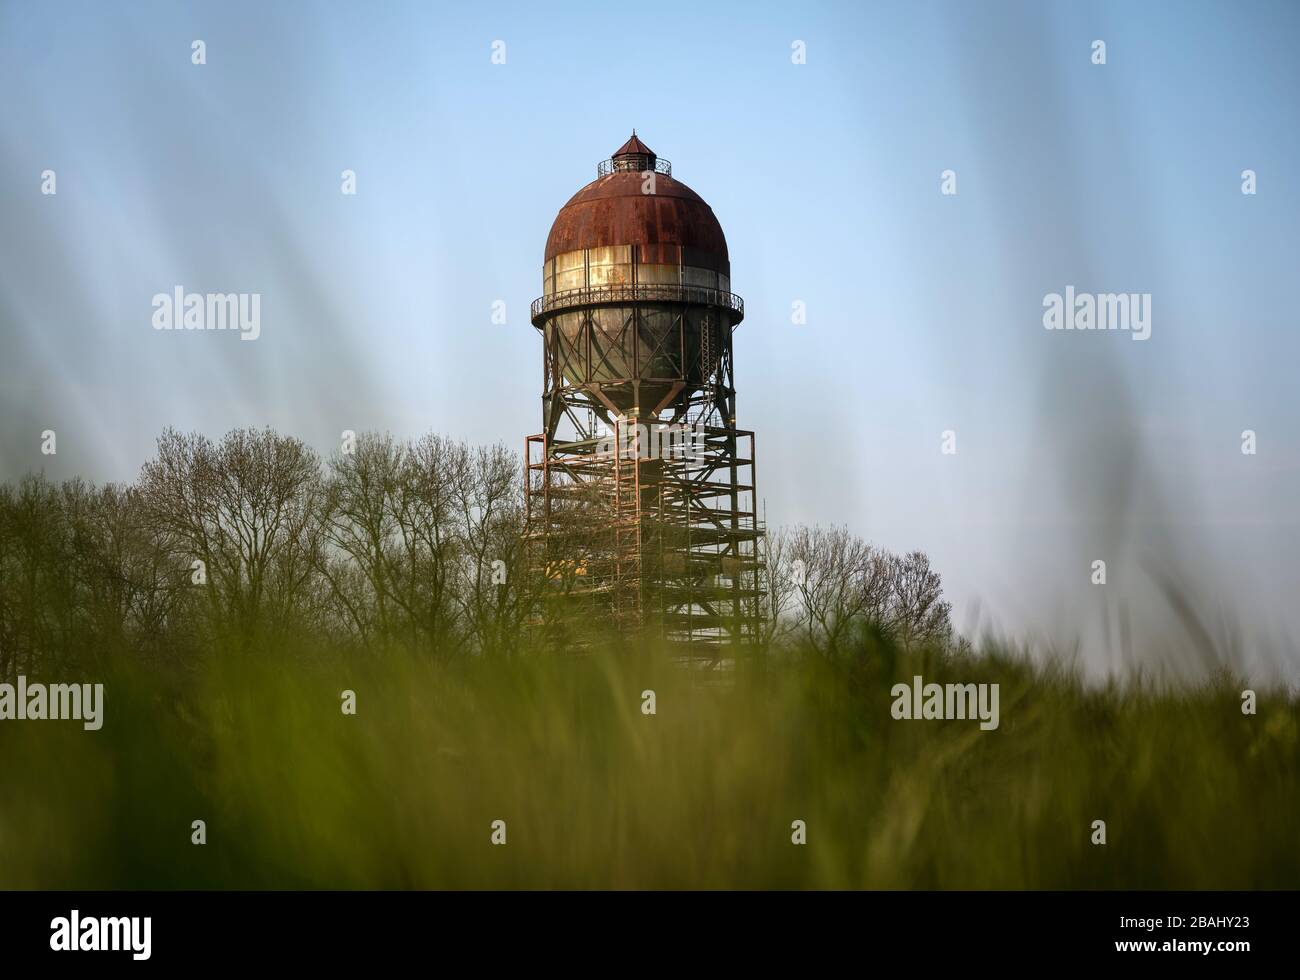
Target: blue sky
924 310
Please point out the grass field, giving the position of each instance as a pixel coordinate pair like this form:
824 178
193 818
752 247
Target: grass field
595 793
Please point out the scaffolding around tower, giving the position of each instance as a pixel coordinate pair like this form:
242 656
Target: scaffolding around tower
649 526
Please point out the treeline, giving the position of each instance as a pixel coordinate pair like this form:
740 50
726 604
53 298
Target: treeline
255 540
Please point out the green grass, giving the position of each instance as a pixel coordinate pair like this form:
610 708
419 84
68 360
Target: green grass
597 795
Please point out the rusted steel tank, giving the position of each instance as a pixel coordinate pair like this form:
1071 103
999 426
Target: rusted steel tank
636 288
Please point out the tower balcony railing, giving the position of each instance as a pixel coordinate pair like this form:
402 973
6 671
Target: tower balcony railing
638 293
607 167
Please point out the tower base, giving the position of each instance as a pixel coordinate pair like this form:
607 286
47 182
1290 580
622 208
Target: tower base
649 529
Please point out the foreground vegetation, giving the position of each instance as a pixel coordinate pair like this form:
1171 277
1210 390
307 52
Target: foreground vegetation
595 793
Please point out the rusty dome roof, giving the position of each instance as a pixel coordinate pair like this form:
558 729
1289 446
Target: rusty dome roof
612 210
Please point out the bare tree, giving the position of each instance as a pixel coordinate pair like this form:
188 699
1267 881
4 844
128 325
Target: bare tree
247 508
38 595
782 588
493 590
360 527
430 540
917 613
130 586
838 583
393 525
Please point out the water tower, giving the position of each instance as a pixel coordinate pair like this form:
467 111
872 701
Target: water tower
640 487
